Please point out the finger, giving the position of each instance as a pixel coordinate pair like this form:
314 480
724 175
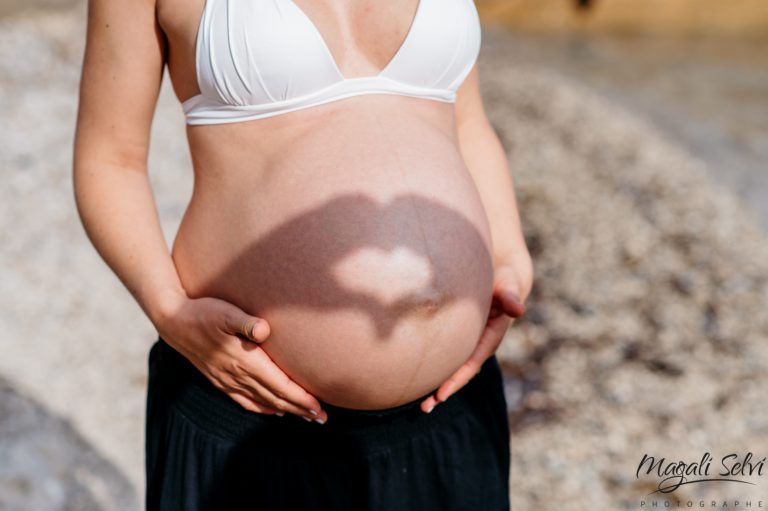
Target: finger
252 328
253 406
509 302
428 404
274 385
254 388
506 291
495 311
486 346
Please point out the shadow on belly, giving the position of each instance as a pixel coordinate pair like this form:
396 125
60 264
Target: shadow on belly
410 256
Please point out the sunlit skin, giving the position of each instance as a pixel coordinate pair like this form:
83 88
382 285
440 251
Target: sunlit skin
362 252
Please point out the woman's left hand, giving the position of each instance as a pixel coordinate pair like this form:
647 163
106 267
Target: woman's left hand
506 304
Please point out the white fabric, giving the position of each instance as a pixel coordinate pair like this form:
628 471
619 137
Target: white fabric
259 58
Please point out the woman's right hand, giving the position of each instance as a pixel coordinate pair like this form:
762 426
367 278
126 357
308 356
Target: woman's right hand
211 334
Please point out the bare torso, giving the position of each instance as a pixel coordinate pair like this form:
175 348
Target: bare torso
354 228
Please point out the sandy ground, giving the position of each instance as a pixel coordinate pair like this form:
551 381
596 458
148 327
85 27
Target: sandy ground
645 334
15 7
709 94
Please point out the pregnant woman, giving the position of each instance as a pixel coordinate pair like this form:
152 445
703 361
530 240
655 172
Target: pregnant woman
347 266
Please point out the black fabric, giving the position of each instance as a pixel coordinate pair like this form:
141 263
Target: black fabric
205 452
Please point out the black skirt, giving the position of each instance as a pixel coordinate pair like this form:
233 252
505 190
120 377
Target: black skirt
205 452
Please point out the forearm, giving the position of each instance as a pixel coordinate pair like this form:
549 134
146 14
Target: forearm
118 212
488 165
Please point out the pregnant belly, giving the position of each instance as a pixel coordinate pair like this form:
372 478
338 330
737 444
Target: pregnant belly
374 273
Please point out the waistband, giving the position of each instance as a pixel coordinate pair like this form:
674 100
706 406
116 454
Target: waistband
214 411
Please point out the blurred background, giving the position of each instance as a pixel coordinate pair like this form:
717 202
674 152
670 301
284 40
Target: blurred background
637 135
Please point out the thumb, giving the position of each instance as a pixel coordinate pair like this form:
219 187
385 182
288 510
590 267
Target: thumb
251 327
506 291
510 303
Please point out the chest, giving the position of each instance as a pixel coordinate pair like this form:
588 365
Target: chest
361 36
234 60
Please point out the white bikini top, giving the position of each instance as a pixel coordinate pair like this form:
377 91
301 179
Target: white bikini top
260 58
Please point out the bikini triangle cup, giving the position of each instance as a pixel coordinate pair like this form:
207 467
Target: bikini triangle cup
261 58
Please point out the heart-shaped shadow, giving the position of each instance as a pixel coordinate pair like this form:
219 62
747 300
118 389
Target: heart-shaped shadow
298 262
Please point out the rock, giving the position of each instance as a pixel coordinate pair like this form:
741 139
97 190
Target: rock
47 465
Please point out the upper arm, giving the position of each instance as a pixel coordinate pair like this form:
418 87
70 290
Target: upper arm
120 82
469 102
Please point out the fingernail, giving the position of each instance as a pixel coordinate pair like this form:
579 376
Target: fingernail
280 414
320 421
430 408
313 412
306 418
